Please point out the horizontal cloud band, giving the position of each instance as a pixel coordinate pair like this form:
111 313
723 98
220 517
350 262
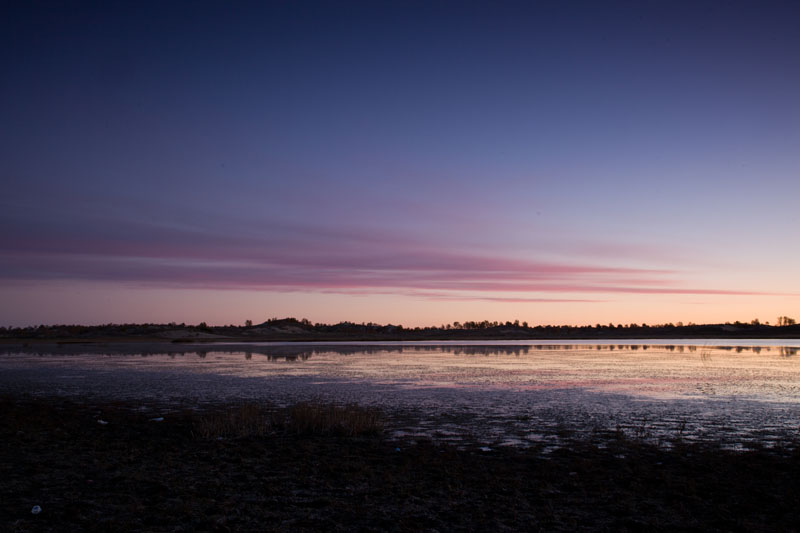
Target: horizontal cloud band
294 258
536 278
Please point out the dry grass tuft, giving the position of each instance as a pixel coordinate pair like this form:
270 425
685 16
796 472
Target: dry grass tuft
307 418
247 420
321 418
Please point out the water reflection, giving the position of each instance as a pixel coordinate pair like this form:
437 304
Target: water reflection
788 351
502 391
304 352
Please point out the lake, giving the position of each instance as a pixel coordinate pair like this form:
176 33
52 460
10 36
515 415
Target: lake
513 393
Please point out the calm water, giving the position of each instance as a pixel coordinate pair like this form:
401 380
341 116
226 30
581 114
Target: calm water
509 393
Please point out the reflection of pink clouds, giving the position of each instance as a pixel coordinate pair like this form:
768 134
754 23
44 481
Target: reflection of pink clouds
539 380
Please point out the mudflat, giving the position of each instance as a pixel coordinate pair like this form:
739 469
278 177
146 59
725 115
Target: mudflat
124 466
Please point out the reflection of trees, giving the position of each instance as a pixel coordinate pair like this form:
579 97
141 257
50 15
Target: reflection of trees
788 351
305 352
488 350
162 351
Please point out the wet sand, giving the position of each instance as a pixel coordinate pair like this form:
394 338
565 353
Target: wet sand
122 466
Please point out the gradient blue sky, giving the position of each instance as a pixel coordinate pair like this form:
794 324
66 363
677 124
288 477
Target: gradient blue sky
404 162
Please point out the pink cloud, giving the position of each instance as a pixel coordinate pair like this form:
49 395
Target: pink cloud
304 258
232 274
456 298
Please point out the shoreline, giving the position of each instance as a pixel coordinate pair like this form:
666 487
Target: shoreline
364 340
293 330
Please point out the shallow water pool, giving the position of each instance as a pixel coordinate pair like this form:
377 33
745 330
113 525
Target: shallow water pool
509 393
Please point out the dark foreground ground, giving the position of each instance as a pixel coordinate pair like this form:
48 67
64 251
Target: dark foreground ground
321 468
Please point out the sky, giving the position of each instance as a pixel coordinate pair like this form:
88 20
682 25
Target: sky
399 162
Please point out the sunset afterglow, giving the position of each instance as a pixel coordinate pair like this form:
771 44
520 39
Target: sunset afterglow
402 163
